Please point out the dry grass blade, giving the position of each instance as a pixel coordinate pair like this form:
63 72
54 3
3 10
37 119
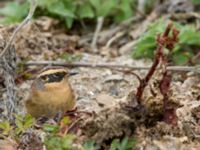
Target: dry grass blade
24 22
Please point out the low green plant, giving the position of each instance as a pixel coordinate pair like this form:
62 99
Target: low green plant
22 123
55 139
72 10
196 2
89 145
125 144
189 40
5 128
14 12
54 142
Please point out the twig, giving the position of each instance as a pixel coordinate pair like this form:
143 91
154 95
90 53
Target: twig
128 46
107 34
44 147
24 22
143 26
185 16
129 71
115 37
141 6
72 125
105 65
100 21
104 36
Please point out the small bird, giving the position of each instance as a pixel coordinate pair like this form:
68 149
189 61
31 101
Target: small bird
50 94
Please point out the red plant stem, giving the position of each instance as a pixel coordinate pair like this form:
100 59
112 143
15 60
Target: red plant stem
167 30
162 43
144 82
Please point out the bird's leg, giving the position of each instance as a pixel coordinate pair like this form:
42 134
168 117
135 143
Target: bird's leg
58 116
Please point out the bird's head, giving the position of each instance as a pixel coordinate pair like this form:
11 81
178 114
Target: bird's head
52 76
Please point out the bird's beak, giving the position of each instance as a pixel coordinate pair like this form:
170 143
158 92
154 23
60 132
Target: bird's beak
72 73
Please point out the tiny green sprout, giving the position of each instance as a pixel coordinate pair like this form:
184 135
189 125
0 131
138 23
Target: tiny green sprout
50 128
89 145
5 127
23 123
55 142
125 144
65 120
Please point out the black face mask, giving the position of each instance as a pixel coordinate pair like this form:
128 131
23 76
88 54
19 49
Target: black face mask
54 77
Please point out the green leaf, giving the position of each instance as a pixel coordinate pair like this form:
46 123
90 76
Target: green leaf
123 145
65 120
105 7
69 22
95 3
68 140
181 58
9 20
18 117
14 12
20 127
6 127
89 145
50 128
196 2
145 47
28 121
61 9
114 144
14 9
127 144
85 11
46 3
124 11
189 35
54 142
189 38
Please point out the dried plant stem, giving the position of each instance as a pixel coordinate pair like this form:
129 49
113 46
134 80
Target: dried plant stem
24 22
105 65
114 38
100 21
145 81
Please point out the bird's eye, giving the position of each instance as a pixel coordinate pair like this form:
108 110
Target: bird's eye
44 78
53 76
56 75
59 75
